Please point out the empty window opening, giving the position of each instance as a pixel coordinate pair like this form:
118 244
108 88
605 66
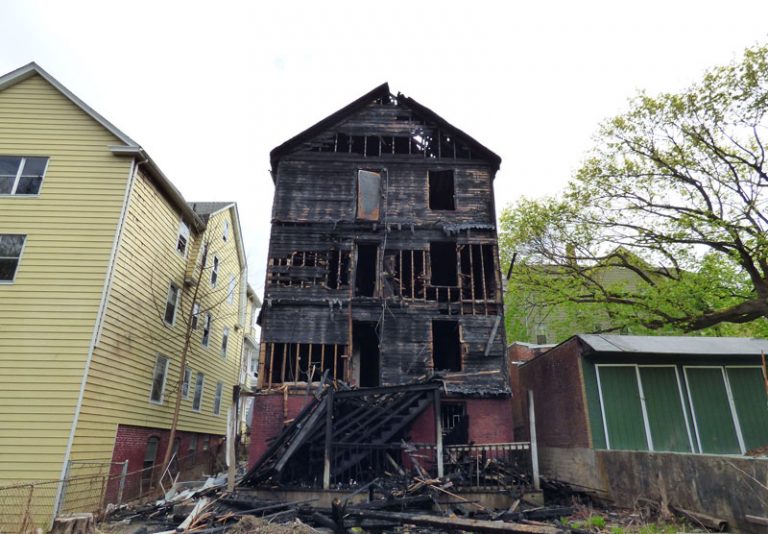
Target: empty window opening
387 145
442 259
302 362
342 143
365 343
357 146
402 145
446 346
368 195
372 145
455 422
447 146
441 190
365 270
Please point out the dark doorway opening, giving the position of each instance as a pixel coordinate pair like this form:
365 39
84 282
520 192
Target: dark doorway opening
446 346
442 257
455 423
365 272
366 344
441 191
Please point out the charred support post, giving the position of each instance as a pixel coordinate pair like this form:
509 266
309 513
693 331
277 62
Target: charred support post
438 434
328 451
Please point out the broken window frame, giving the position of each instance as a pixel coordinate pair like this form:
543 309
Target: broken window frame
358 273
283 362
286 271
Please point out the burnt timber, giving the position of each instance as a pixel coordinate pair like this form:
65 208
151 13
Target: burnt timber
383 259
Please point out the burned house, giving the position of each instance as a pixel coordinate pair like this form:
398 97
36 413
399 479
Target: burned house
383 271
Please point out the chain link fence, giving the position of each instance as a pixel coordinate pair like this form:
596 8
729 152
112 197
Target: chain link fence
91 486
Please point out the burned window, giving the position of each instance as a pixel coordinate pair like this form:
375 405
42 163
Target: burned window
365 270
441 190
310 268
455 423
302 362
478 272
372 145
405 273
365 348
446 346
368 195
442 259
402 145
357 145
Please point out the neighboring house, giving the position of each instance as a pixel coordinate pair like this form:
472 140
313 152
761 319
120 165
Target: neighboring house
603 403
250 363
99 262
383 269
532 319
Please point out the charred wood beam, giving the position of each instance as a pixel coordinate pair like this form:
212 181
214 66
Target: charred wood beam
455 523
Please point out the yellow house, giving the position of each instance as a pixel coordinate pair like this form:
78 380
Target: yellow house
107 277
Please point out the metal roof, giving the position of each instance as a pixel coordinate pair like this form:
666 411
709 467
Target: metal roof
688 345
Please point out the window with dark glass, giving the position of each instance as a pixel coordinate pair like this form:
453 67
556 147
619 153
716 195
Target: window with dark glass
11 246
21 176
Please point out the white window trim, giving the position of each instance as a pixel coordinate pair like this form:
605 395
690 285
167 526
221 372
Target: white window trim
218 395
18 265
179 234
731 405
202 393
165 380
185 394
18 177
225 233
195 319
208 322
215 264
231 288
175 305
224 348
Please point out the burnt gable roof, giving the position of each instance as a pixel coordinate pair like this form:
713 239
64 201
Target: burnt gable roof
380 92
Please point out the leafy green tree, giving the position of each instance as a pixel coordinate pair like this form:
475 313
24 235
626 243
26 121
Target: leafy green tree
674 197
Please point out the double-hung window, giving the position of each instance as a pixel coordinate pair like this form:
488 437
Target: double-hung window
11 246
215 271
21 176
158 379
171 303
185 384
182 242
224 342
195 315
207 329
217 399
197 401
232 286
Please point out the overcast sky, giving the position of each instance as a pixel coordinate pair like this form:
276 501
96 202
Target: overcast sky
210 88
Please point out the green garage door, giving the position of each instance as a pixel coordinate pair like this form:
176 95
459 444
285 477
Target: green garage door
751 403
712 411
666 418
622 409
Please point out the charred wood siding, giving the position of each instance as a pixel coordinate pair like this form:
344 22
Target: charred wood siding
318 234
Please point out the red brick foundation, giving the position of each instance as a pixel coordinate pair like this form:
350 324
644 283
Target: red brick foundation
131 445
490 421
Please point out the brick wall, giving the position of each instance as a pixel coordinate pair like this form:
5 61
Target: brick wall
131 445
269 415
490 421
558 393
